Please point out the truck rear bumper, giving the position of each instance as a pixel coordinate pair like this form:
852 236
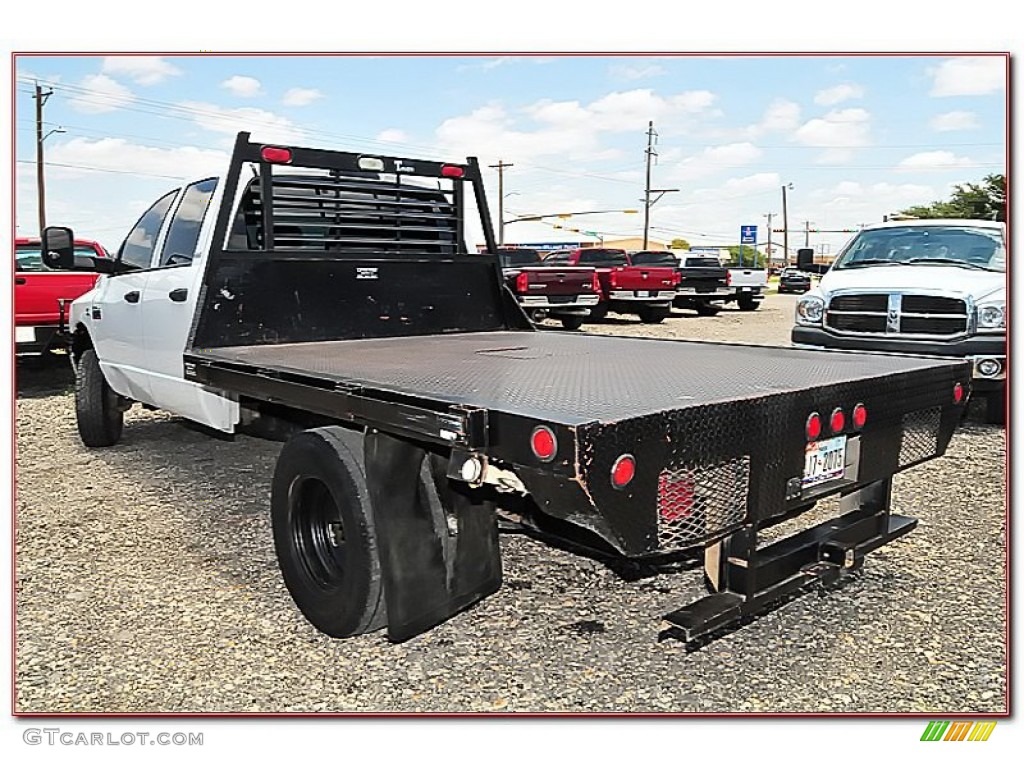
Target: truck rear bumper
642 296
35 339
585 301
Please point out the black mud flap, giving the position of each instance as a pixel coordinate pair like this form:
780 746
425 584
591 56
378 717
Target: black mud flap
438 544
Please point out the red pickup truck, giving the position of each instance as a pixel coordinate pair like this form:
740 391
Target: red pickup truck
567 294
646 291
41 295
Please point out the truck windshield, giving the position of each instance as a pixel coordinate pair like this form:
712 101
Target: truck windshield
29 258
518 257
963 246
604 257
655 259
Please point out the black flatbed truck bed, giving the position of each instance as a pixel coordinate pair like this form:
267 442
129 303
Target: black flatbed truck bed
419 344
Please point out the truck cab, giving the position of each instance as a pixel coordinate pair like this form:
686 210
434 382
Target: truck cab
928 286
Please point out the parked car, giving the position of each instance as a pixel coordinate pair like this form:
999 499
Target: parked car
566 294
644 291
930 286
794 281
702 282
43 295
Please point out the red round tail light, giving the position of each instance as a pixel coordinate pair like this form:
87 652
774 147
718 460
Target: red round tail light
838 420
958 393
860 415
543 443
813 426
623 470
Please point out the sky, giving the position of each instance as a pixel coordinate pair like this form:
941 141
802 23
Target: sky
857 137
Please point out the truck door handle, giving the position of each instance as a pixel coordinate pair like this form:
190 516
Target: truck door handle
19 281
178 294
132 297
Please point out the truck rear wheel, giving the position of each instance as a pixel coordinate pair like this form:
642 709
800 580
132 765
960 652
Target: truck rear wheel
600 312
652 315
97 407
708 310
324 532
747 303
572 322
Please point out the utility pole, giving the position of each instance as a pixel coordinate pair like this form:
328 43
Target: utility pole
768 247
651 154
501 166
40 97
785 226
807 234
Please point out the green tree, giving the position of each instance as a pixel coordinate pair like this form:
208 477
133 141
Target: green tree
751 257
679 244
986 200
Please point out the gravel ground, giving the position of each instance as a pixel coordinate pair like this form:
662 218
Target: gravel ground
147 583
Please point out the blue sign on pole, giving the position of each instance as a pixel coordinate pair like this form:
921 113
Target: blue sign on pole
748 234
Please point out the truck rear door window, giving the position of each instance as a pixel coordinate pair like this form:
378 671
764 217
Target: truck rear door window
603 257
183 234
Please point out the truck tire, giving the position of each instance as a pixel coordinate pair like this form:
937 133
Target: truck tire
324 532
995 407
747 303
708 310
653 315
97 407
600 312
572 322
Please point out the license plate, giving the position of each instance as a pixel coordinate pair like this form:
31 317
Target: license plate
643 294
824 460
745 290
24 333
687 290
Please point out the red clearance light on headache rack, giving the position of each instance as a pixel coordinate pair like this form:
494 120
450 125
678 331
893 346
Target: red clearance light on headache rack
860 415
813 427
958 393
623 470
453 171
543 443
838 420
276 154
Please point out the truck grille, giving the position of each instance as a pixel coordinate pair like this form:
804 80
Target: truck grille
897 314
697 502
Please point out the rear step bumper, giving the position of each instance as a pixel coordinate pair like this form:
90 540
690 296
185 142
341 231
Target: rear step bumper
753 581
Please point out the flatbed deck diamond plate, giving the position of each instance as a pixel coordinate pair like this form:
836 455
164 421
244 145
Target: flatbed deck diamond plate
567 377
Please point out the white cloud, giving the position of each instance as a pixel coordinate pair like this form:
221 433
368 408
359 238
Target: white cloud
933 161
839 93
125 157
850 203
957 120
100 94
969 76
566 128
781 116
635 71
144 70
301 97
838 132
715 159
264 125
245 87
393 136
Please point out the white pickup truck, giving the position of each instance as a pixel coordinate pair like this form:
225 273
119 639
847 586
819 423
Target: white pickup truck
928 286
746 287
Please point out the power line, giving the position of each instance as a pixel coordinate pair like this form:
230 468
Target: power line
107 170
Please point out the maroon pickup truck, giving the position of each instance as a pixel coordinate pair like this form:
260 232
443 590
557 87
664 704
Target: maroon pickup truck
641 290
567 294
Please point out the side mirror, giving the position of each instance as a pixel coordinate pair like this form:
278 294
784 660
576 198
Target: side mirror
58 247
805 259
